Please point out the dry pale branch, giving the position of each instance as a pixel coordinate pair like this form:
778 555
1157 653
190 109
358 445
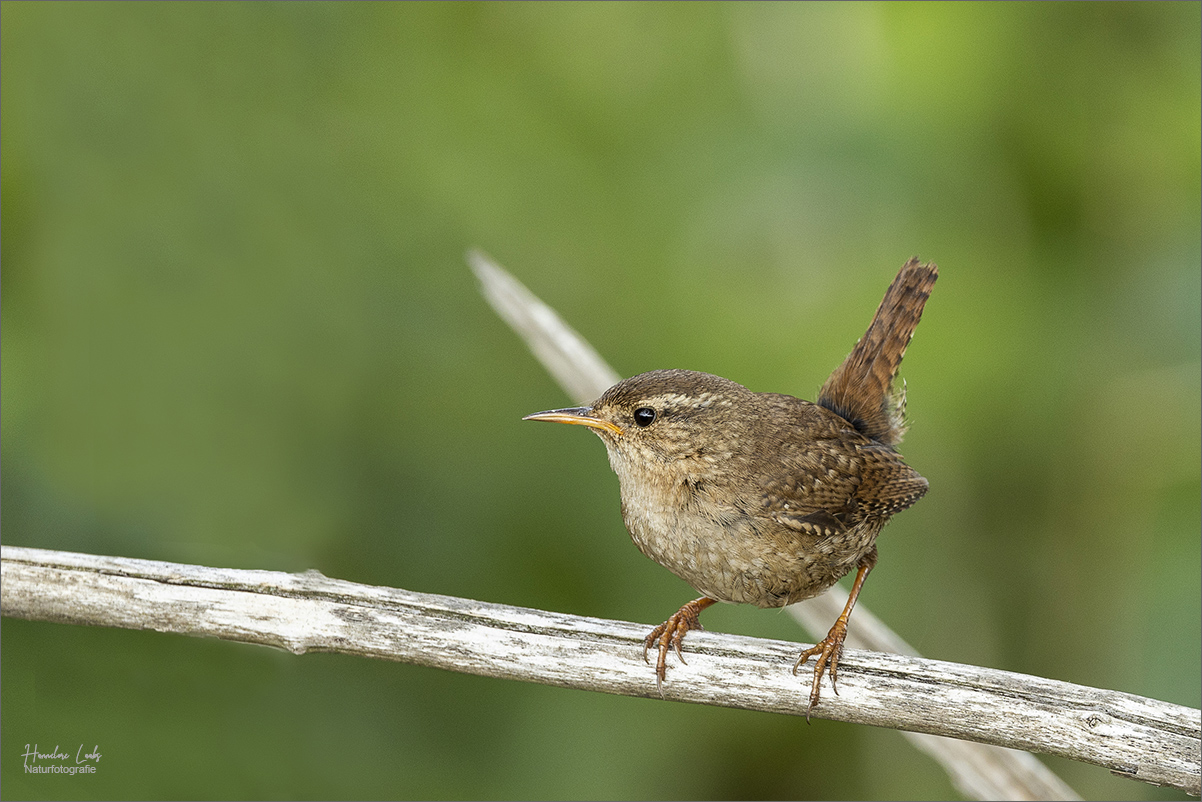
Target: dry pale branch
1141 738
978 770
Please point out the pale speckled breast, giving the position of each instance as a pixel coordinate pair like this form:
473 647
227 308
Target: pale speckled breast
736 557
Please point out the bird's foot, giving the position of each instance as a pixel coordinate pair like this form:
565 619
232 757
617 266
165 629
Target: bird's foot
828 652
669 634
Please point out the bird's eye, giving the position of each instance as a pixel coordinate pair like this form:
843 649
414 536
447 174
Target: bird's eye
644 416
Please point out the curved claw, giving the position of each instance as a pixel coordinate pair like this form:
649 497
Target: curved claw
670 634
828 651
830 648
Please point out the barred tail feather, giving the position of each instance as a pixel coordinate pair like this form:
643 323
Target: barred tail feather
861 389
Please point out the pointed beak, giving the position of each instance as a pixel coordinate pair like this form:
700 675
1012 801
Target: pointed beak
579 416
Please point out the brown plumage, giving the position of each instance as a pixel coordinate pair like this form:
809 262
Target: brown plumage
763 498
861 389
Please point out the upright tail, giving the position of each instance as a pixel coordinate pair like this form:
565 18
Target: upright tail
861 389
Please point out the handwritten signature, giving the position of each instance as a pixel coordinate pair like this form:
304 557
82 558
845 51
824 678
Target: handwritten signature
32 755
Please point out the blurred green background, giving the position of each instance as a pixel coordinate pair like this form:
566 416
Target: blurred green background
238 331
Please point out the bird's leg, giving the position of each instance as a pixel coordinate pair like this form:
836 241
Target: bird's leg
830 648
670 633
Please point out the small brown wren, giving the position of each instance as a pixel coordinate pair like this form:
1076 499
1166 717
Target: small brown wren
762 498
